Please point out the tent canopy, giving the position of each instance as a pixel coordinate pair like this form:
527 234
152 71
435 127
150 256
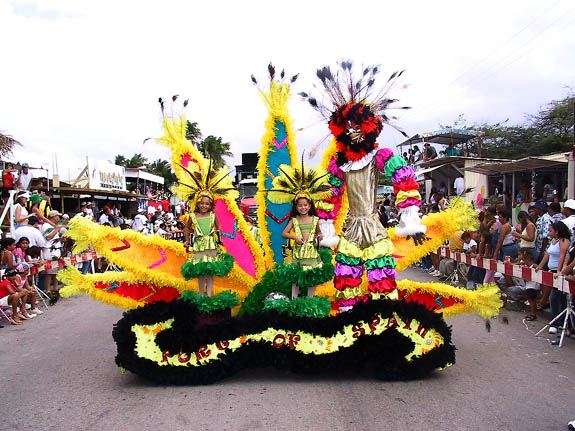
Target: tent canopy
442 137
520 165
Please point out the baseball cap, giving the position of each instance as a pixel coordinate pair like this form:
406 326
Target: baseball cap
141 210
54 213
569 203
25 165
540 206
23 266
35 198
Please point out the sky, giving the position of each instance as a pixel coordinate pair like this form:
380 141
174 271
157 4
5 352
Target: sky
82 78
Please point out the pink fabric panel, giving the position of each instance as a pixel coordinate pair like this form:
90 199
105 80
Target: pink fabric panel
381 157
237 246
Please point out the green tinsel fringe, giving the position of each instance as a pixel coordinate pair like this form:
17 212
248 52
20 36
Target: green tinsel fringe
380 262
219 267
316 307
282 277
334 181
212 304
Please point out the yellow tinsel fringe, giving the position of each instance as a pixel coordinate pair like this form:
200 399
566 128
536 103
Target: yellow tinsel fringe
460 216
328 154
276 102
485 301
78 283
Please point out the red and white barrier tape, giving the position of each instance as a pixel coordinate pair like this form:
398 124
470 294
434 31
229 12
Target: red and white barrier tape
543 277
61 263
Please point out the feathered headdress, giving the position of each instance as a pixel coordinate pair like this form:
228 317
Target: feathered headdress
293 183
205 182
355 108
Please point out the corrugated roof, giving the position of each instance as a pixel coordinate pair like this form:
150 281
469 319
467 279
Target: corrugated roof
524 164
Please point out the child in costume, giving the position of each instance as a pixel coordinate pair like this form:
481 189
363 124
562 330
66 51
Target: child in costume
201 231
356 114
307 234
302 188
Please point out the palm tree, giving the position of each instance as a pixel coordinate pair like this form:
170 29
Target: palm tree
193 133
7 144
213 148
120 160
163 169
136 161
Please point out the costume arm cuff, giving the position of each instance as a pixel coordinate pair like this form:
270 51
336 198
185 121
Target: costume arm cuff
409 223
330 238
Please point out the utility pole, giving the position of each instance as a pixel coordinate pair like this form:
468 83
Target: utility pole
571 165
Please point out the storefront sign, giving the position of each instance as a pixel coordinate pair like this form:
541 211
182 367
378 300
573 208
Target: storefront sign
104 175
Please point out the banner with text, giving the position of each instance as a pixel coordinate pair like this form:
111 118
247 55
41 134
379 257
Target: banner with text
104 175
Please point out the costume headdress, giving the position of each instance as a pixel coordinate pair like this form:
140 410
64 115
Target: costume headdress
294 182
354 108
205 182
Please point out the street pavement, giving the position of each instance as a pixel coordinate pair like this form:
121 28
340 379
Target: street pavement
58 373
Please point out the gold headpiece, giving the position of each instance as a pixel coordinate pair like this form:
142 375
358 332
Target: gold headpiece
205 182
293 183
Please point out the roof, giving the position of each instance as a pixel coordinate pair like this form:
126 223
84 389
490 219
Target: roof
82 191
442 137
455 160
520 165
140 173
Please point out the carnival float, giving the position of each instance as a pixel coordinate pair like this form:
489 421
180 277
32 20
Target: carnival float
329 302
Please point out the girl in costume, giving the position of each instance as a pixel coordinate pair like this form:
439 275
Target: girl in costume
356 114
201 231
306 236
302 189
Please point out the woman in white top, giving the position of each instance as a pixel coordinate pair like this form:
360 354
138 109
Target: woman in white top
554 258
506 245
21 214
527 234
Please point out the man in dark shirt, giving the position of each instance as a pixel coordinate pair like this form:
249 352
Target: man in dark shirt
429 152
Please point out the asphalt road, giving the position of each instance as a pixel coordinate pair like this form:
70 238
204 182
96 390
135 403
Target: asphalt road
58 373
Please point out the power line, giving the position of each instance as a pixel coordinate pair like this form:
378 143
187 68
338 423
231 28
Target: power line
472 67
536 46
489 70
486 72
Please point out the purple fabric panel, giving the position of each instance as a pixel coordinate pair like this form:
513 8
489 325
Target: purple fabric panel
349 271
403 174
379 274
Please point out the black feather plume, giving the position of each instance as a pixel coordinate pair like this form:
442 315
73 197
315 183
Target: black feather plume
254 80
272 71
283 74
294 78
186 102
174 97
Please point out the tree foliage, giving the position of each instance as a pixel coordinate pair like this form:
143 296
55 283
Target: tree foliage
136 161
548 131
7 144
193 133
214 148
